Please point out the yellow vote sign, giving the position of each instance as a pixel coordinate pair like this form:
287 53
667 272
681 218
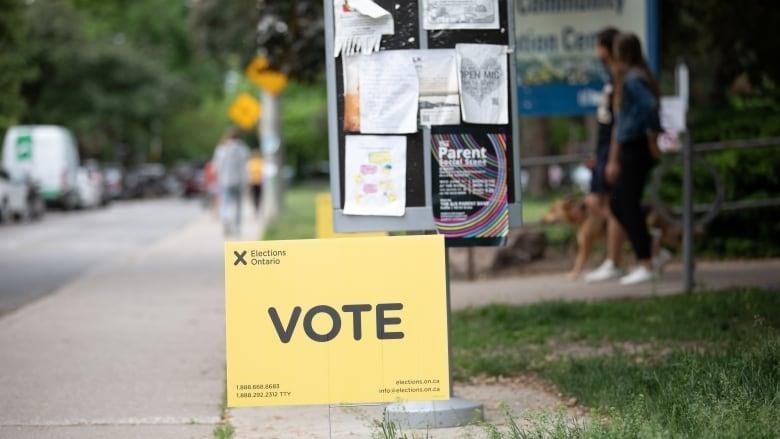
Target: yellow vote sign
245 111
323 226
336 321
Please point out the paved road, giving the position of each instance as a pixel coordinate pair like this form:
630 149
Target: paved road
37 258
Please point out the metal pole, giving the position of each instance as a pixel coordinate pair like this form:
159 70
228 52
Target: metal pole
687 217
270 141
682 86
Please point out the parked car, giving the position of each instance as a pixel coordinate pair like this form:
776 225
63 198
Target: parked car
19 198
48 155
147 181
113 181
89 184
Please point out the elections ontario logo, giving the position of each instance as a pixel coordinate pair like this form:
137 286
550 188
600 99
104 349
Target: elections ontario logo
243 258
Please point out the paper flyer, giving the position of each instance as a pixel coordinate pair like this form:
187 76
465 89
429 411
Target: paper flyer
437 71
461 14
389 93
351 68
470 187
360 25
673 122
483 78
375 175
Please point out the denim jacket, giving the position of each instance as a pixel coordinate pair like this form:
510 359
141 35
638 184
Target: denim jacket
639 112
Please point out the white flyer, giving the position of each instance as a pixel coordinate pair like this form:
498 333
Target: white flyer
360 25
375 175
673 122
437 70
460 14
389 93
483 77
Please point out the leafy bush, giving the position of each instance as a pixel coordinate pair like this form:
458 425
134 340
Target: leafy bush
747 174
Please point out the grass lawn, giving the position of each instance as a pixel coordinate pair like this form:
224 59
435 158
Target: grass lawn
297 219
705 365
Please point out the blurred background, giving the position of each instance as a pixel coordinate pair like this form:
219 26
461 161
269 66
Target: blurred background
144 86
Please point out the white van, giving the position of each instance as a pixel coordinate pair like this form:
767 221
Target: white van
49 156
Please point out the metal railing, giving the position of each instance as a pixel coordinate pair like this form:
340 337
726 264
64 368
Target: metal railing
685 215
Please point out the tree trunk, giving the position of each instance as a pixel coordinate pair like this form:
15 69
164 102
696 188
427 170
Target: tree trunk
536 141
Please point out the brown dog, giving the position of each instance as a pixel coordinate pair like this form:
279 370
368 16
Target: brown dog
591 228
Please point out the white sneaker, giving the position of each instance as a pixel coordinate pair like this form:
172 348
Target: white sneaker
638 275
606 271
661 259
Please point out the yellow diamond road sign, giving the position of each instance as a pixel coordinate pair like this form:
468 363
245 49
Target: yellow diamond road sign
245 111
271 81
260 74
256 67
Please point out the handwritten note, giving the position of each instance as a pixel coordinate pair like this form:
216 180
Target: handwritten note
389 93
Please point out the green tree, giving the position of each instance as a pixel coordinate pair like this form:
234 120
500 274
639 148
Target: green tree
723 41
13 61
292 35
107 91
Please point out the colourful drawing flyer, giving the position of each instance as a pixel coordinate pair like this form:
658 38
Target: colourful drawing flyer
470 201
375 175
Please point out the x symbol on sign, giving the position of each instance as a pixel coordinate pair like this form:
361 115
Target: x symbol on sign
239 257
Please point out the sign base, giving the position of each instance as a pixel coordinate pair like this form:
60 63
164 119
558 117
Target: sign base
454 412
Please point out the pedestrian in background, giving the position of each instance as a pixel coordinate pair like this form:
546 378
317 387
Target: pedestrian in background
255 172
230 159
212 190
598 198
633 152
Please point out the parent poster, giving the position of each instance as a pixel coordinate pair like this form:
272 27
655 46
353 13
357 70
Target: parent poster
438 75
461 14
470 187
375 175
483 78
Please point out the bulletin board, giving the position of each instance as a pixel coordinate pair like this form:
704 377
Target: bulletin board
419 197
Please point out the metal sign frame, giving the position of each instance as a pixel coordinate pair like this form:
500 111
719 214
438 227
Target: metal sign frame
416 218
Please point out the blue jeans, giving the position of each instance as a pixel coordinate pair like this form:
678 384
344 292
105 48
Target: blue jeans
230 208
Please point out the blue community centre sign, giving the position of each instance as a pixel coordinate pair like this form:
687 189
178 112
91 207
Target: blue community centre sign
558 71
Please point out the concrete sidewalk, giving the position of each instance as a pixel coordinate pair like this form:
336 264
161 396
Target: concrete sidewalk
538 288
134 348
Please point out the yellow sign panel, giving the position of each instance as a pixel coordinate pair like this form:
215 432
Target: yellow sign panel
336 321
259 72
245 111
324 220
256 67
272 82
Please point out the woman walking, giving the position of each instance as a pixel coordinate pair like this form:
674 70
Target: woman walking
633 152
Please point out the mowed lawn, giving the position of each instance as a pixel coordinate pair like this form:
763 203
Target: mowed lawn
703 365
